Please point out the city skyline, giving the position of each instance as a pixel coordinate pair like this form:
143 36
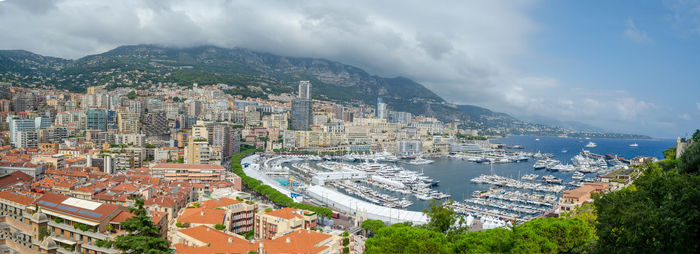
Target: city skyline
537 59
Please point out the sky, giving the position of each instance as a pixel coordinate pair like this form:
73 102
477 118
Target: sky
625 66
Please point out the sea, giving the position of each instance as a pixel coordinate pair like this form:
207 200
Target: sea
455 174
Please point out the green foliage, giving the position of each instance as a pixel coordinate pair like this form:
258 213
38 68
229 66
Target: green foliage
131 95
690 160
403 238
442 218
104 243
219 227
142 236
58 220
696 136
670 153
249 234
346 250
346 241
267 210
660 213
373 225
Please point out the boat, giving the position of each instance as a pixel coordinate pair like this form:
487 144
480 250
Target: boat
564 151
577 176
537 139
420 161
634 145
591 144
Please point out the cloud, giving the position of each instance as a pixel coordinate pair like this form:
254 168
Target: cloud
685 15
463 50
697 104
685 116
635 34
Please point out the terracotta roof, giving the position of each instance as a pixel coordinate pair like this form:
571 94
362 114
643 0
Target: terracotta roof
214 203
53 202
15 177
300 241
286 213
187 166
203 216
20 198
218 242
121 217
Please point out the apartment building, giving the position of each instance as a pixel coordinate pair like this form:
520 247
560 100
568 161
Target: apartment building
195 173
269 225
241 213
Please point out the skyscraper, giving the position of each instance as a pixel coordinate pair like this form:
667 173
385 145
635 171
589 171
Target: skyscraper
302 114
380 111
96 119
305 90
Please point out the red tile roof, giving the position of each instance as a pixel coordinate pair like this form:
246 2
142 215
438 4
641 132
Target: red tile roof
203 216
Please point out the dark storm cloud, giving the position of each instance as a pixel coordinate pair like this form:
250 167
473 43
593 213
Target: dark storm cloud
462 50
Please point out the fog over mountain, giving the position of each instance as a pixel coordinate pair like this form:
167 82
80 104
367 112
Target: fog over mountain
486 53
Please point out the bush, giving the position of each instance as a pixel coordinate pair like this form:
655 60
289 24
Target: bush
690 160
219 227
346 241
346 250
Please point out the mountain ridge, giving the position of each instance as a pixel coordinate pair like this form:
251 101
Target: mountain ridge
148 64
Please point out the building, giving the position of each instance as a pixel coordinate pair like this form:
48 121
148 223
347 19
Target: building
302 114
381 111
156 125
304 90
72 224
203 239
241 213
127 121
410 147
53 161
18 125
273 224
96 119
681 145
194 108
192 217
195 173
23 101
197 151
576 197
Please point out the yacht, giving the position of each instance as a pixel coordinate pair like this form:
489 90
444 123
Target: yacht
591 144
420 161
577 176
634 145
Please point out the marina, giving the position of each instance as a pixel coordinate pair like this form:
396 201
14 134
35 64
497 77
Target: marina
500 185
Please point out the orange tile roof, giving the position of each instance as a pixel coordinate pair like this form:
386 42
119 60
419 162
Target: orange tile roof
14 178
300 241
20 198
187 166
121 217
218 242
214 203
203 216
286 213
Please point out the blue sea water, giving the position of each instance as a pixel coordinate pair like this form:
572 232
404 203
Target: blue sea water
455 174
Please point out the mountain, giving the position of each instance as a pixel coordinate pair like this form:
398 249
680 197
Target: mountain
252 74
569 125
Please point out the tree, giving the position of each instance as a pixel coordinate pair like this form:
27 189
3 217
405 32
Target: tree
142 236
696 136
690 160
660 213
403 238
131 95
443 219
219 227
373 225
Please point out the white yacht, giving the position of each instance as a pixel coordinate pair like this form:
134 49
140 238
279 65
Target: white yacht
420 161
591 144
634 145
